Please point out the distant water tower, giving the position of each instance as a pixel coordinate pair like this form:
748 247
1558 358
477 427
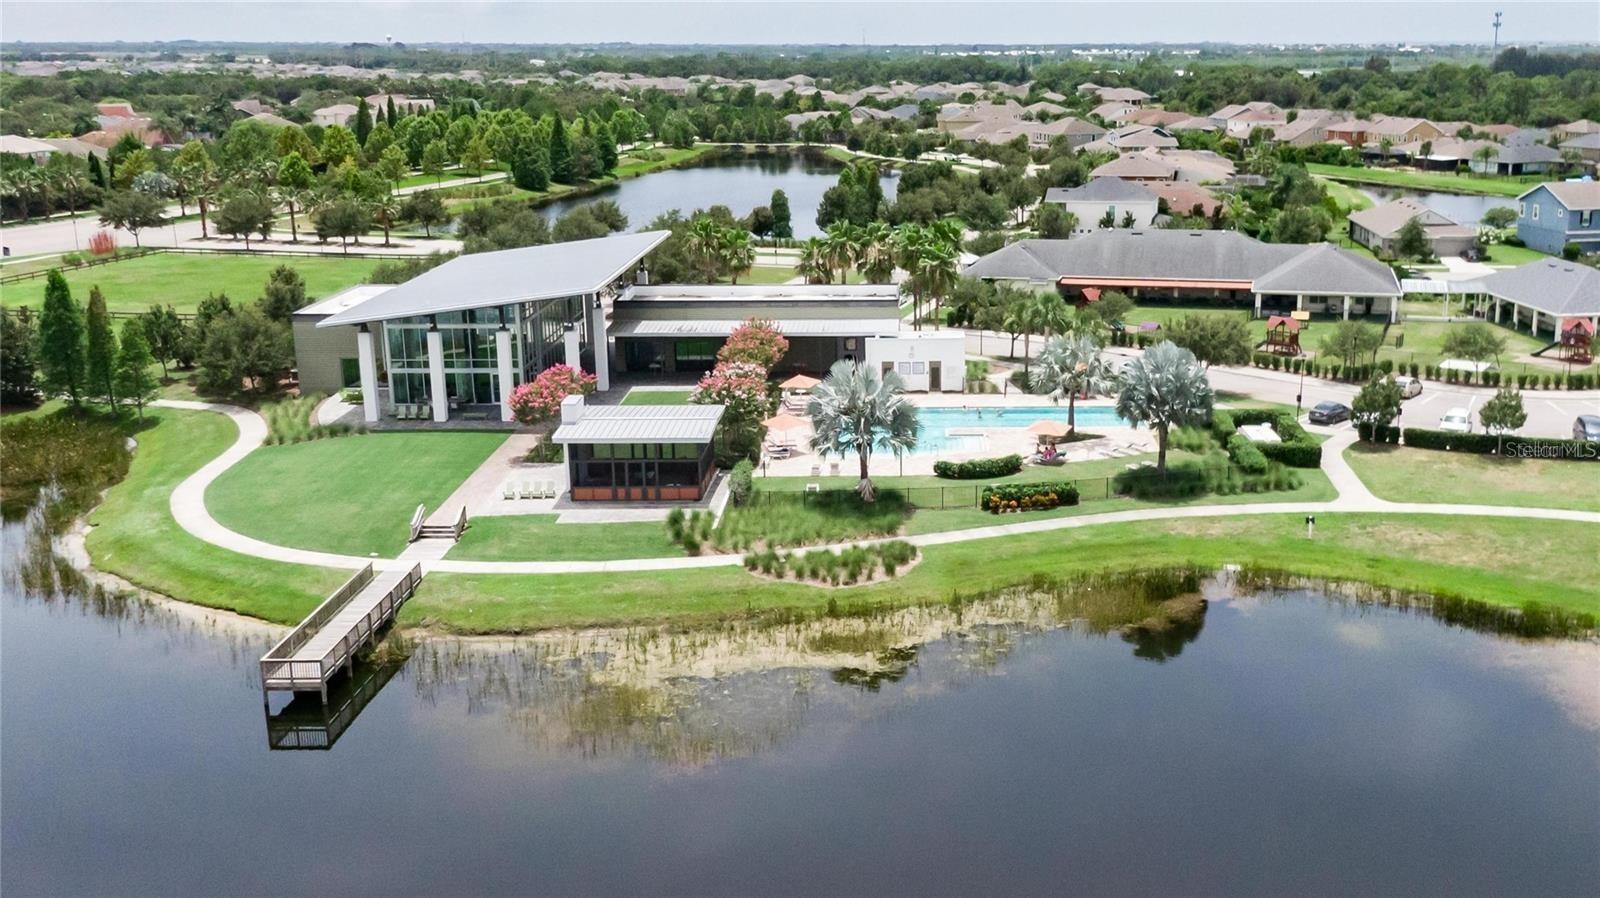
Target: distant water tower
1497 32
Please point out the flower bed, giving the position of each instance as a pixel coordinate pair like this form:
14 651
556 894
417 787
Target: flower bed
1014 497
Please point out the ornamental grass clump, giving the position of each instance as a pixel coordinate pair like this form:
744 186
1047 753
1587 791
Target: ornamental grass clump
846 567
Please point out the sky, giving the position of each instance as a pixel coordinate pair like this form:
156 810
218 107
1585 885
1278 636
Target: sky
957 21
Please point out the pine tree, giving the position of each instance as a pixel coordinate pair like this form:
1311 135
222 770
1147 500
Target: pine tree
100 349
285 292
391 115
560 153
782 226
96 173
61 340
134 380
363 121
605 145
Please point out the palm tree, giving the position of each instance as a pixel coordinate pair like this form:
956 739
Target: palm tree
736 252
25 186
207 190
842 241
910 243
1484 155
813 265
876 262
936 273
1165 387
856 410
1069 366
293 199
703 240
1384 146
385 210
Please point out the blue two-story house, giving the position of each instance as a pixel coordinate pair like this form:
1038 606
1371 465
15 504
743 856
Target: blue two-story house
1557 213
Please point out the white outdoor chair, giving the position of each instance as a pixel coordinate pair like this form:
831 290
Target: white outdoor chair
509 492
527 491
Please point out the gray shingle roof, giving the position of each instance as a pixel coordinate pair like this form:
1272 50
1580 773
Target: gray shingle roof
642 424
1101 190
1552 286
1177 255
509 276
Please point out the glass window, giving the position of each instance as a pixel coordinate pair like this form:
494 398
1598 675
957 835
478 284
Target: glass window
905 367
350 372
919 368
1535 211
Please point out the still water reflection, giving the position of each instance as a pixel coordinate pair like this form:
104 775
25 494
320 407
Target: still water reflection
1296 742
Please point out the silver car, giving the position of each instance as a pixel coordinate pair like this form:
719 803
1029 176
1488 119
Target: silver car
1409 386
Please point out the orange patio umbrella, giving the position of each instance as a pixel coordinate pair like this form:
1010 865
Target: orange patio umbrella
785 421
1049 428
800 382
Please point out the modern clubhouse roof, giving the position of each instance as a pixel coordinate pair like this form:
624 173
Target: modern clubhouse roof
506 277
1165 258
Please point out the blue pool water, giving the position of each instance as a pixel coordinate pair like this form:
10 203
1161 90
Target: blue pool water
937 423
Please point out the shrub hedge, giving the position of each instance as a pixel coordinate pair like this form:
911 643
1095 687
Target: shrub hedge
1297 449
1027 496
978 468
1246 454
1213 474
1489 444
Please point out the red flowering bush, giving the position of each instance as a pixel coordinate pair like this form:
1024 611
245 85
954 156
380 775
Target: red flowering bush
756 342
541 398
102 243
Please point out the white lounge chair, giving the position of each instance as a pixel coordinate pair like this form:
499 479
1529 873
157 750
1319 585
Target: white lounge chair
833 469
547 489
527 491
509 492
816 470
778 451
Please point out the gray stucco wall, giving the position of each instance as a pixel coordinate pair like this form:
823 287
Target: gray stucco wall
317 354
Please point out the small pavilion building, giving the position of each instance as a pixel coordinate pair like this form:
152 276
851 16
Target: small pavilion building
638 453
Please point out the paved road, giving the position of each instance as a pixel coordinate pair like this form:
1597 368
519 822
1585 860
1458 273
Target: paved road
188 508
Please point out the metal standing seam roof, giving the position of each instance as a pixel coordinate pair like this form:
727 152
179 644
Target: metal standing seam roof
722 327
482 280
347 298
642 424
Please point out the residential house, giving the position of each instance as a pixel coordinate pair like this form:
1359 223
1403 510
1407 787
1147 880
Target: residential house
1194 123
1227 113
1116 111
954 117
1042 109
402 104
1378 229
905 111
1160 118
1184 197
250 106
1138 167
1129 138
1574 129
17 145
1130 95
1401 129
1106 199
1557 213
1518 159
271 120
1241 126
337 114
1587 147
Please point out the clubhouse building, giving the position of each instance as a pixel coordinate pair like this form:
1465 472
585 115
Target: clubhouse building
456 340
1201 266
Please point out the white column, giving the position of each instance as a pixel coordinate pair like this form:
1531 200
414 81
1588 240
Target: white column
1394 309
367 361
1347 308
1497 310
441 401
1258 305
574 349
1299 302
602 346
502 356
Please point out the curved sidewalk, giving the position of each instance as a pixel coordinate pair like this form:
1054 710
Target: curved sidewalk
189 509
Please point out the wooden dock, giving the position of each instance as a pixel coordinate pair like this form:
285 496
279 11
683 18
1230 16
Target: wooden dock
329 638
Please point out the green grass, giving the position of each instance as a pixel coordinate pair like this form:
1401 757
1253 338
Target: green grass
537 537
1506 254
1166 314
768 274
1400 474
1444 181
135 537
351 495
629 166
184 280
793 519
657 397
1424 344
1499 561
449 174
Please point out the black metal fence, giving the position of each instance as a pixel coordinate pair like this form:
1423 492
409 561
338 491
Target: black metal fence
966 495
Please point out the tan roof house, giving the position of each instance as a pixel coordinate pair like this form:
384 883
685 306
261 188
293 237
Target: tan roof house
337 114
1378 228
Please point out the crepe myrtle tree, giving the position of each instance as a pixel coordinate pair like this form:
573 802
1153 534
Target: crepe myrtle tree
1166 387
755 341
541 397
856 410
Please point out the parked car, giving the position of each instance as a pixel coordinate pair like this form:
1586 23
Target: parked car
1329 412
1456 420
1586 428
1409 386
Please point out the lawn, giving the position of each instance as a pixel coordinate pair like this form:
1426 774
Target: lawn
1078 470
657 397
1424 345
449 174
1418 180
629 166
537 537
1164 314
184 280
1501 562
135 537
768 274
1400 474
352 495
1506 254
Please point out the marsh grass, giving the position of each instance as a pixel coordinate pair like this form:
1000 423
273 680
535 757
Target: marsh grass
774 519
289 421
847 567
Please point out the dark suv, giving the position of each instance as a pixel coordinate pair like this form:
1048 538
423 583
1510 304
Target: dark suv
1330 412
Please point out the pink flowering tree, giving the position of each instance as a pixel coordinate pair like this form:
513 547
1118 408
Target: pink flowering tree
541 398
756 342
742 388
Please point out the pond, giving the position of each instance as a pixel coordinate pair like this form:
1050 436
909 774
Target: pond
1284 740
740 182
1461 208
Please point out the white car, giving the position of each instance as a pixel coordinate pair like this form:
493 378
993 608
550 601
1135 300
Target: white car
1409 386
1456 420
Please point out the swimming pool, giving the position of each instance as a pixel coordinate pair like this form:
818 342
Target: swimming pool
936 424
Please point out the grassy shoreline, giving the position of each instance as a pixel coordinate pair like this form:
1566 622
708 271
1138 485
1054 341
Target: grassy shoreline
1503 562
1439 182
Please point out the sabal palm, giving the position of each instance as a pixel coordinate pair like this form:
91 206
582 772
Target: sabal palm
736 252
1165 387
1069 366
876 262
908 243
842 240
294 199
385 209
813 265
703 240
856 410
936 270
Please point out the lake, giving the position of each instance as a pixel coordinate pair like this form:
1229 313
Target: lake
1461 208
740 182
1291 742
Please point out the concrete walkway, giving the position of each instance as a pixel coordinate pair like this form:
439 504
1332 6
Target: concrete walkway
188 508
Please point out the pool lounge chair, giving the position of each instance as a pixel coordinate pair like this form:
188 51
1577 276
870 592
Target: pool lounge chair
509 491
547 489
526 491
778 450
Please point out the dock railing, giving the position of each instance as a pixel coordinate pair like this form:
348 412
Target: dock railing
280 670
